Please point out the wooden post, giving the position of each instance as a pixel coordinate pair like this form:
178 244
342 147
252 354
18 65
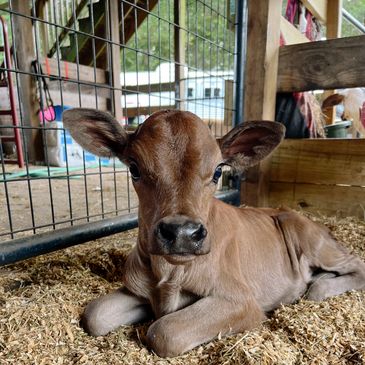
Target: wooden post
115 59
333 30
179 50
42 14
334 19
228 105
318 8
23 39
260 85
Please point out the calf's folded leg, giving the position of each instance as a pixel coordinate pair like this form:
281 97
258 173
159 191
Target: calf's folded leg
335 270
201 322
113 310
347 273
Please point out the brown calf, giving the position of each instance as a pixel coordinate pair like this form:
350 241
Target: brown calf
203 268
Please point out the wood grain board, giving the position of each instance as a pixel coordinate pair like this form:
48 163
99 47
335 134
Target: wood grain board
72 71
331 200
331 64
326 175
321 161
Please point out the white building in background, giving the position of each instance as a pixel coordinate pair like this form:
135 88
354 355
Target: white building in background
204 90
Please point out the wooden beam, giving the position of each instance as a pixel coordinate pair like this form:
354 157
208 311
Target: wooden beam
318 8
149 88
144 110
72 71
85 99
40 13
333 30
332 64
228 104
260 85
73 88
262 59
334 19
179 51
290 33
115 59
25 54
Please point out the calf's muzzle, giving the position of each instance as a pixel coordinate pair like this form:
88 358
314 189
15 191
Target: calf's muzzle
179 235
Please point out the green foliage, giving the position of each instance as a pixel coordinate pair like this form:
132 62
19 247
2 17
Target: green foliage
155 36
209 42
357 9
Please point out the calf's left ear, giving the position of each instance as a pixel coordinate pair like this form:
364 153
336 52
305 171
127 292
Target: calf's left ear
249 143
96 131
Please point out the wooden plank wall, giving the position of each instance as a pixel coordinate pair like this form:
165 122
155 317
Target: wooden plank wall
320 175
331 64
91 92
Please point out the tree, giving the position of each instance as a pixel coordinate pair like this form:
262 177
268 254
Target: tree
357 9
209 45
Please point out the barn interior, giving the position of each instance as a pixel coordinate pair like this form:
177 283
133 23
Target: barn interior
226 61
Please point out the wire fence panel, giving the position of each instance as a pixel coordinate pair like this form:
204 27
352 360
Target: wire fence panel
130 58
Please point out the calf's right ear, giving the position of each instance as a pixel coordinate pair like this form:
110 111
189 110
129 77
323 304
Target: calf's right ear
96 131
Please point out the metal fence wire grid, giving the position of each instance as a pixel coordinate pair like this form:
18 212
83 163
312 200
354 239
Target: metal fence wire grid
131 58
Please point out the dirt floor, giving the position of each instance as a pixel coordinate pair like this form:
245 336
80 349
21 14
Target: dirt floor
41 300
98 195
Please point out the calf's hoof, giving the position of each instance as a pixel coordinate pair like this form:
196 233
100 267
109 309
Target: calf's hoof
94 320
161 342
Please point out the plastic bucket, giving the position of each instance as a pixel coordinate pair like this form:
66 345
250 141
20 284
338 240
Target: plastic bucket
59 110
337 130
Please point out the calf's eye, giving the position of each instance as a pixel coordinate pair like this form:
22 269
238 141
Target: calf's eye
134 170
217 174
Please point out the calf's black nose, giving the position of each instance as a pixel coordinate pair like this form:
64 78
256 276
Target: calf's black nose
176 237
190 230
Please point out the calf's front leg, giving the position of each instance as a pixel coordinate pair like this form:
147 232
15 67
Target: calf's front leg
113 310
201 322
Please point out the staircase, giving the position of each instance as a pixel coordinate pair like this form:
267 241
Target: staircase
88 42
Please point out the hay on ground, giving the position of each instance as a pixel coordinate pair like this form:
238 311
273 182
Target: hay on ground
41 301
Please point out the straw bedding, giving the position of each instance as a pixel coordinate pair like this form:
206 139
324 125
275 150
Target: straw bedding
41 301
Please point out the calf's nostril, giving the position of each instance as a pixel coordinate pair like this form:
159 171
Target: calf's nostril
167 231
199 234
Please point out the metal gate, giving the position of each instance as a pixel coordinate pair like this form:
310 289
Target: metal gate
129 57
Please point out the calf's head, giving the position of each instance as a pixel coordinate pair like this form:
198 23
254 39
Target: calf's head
175 164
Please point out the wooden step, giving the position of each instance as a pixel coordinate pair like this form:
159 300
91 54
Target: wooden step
7 138
10 160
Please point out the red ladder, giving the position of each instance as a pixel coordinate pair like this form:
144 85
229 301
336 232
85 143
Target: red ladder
7 82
